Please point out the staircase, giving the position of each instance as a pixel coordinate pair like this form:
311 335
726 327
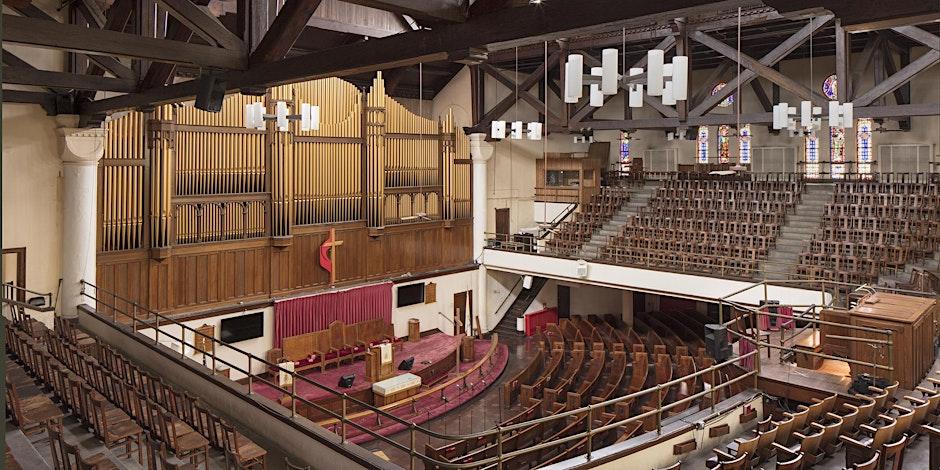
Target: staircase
639 197
507 326
796 232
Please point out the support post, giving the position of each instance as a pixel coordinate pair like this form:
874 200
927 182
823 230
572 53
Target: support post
80 150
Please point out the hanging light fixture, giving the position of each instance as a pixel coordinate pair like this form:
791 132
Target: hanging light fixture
603 80
309 116
517 129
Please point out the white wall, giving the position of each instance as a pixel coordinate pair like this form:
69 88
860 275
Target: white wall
501 291
32 173
258 346
436 314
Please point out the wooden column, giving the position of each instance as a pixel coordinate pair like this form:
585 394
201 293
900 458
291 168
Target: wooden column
375 141
281 187
161 143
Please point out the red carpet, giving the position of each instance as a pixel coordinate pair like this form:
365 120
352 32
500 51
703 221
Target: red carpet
432 406
431 348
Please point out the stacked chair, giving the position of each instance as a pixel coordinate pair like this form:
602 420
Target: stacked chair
870 226
724 227
571 235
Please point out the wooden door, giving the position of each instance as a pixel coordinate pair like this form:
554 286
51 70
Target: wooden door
502 224
460 310
564 301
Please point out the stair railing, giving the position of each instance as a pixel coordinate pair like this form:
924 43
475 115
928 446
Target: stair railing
508 296
543 232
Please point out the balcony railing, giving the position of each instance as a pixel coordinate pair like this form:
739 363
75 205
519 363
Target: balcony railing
122 312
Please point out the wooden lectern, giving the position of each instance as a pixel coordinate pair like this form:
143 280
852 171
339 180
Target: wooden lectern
377 369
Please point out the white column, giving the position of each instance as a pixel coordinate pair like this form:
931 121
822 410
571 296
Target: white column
80 151
480 152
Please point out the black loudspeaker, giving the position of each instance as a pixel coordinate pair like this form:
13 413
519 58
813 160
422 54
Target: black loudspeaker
716 342
862 381
407 364
211 93
346 381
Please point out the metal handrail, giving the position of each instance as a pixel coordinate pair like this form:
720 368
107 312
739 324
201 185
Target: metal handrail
346 421
50 306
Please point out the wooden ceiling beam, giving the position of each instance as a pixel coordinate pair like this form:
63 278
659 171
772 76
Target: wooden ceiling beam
913 32
897 80
48 101
203 24
785 82
43 78
769 59
283 33
12 60
28 10
527 25
53 35
453 11
160 73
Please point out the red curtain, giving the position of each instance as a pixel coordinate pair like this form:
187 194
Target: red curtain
315 312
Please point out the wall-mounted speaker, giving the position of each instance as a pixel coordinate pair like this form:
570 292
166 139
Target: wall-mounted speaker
526 282
211 93
346 381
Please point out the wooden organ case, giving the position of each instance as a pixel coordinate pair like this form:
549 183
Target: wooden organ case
196 210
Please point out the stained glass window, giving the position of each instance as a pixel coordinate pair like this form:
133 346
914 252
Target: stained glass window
830 87
727 101
864 146
724 144
703 144
625 159
744 144
812 157
837 152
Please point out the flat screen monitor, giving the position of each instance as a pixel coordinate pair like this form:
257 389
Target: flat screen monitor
410 294
243 327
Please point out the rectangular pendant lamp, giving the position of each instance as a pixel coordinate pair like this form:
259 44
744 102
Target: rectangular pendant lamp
609 74
680 77
574 70
654 72
636 89
498 129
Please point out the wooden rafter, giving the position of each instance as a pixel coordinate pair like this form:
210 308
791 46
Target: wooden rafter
924 62
53 35
105 62
525 95
491 31
33 76
758 68
507 103
10 59
426 10
285 30
159 73
769 59
203 24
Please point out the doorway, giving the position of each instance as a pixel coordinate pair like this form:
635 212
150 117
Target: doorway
463 312
502 224
564 301
14 273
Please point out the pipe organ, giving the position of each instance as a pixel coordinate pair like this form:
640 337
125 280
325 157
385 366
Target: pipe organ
211 179
175 177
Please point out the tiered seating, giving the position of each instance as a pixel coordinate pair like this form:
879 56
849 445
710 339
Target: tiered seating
711 226
574 233
127 407
870 226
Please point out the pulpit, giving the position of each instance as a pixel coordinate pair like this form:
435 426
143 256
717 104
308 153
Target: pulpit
414 330
380 362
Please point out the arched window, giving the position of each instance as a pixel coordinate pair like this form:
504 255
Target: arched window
725 102
812 156
703 144
864 148
724 144
744 144
830 87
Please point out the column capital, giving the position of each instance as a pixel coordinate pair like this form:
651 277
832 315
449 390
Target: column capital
81 145
480 149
